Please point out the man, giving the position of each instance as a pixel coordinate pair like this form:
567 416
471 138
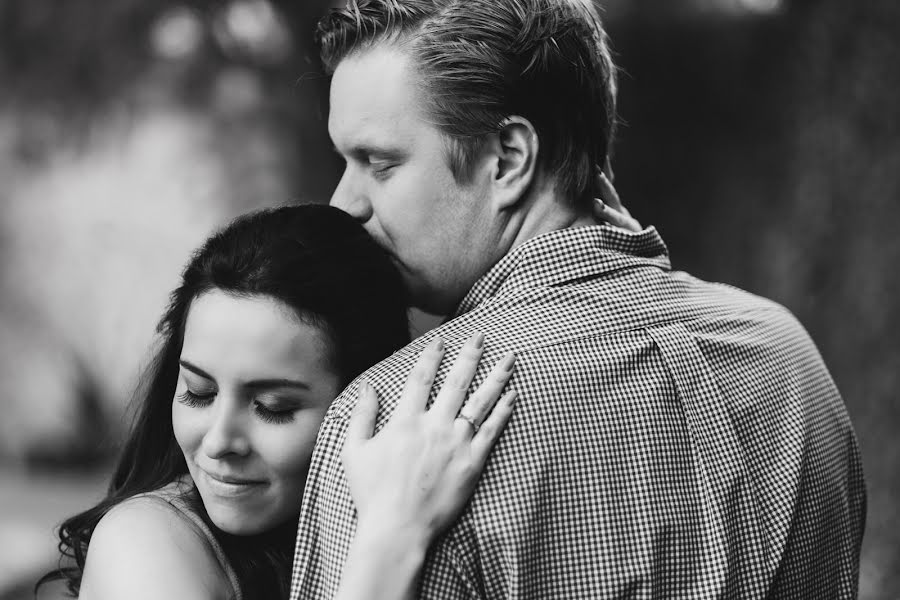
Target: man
673 438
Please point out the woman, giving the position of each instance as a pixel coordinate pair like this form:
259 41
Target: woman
274 316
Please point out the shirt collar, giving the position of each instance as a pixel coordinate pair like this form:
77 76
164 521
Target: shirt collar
564 255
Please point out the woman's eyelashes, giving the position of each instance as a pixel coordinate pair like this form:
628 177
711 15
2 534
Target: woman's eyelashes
196 399
273 415
276 412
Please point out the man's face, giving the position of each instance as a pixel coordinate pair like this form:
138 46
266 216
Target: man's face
398 182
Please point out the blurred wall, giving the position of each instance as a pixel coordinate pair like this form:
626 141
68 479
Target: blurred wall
759 136
767 150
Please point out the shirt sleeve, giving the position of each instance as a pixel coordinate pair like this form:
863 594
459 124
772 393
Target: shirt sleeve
327 516
445 576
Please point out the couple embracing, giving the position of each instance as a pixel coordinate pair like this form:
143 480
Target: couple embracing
631 431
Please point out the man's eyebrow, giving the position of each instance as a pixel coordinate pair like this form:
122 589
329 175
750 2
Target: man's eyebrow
365 150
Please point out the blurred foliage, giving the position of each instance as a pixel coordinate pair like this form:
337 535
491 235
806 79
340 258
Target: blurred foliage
65 65
762 137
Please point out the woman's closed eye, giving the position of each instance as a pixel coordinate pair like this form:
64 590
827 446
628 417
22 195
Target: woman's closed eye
275 411
196 399
270 409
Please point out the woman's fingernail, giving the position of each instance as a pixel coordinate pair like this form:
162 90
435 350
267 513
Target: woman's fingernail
600 203
477 340
438 343
508 361
511 398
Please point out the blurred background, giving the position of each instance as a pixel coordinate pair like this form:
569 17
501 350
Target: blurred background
762 138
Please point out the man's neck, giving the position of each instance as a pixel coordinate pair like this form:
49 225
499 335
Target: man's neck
542 213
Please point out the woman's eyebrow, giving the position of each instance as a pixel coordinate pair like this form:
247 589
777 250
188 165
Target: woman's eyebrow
195 369
257 384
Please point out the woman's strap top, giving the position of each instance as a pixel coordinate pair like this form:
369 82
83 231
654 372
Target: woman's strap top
176 496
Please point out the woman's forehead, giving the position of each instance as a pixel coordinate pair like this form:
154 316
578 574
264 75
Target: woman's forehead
244 336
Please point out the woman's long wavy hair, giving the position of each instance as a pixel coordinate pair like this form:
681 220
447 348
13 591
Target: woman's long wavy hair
315 259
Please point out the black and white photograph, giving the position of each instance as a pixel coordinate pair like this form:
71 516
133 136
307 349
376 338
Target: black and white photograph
449 299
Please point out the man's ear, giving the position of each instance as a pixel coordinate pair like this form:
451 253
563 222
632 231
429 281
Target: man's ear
515 168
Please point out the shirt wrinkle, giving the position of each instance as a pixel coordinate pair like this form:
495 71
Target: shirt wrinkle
673 439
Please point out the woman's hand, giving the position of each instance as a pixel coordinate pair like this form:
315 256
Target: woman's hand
417 474
608 208
412 479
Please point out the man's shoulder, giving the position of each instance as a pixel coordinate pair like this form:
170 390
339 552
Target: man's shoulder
389 375
726 301
534 319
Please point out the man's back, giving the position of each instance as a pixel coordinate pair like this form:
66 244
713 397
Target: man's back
674 438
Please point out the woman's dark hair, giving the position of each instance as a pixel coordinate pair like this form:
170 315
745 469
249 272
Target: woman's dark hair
315 259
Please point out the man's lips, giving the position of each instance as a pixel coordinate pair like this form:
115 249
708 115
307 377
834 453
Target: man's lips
388 249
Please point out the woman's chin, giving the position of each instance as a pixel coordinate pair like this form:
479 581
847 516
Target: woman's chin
236 516
238 519
238 523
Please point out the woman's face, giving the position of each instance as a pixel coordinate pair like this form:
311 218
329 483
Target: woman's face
254 385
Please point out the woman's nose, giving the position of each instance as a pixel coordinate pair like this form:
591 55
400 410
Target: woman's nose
226 434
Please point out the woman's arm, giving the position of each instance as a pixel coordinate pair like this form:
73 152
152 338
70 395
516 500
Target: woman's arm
142 550
414 478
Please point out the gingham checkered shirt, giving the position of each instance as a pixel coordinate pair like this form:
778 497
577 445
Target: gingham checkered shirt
673 439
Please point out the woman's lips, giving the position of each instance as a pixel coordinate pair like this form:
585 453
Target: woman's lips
228 485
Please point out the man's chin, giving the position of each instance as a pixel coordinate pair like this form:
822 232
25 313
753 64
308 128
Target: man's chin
424 295
431 302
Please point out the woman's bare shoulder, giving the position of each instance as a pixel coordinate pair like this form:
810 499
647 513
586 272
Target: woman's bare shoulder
144 548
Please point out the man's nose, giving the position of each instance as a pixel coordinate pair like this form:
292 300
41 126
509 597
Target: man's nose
226 433
350 196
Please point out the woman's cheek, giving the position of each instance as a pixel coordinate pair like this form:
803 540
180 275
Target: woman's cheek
185 427
291 450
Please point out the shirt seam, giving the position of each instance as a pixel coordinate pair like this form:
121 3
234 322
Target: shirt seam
656 324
